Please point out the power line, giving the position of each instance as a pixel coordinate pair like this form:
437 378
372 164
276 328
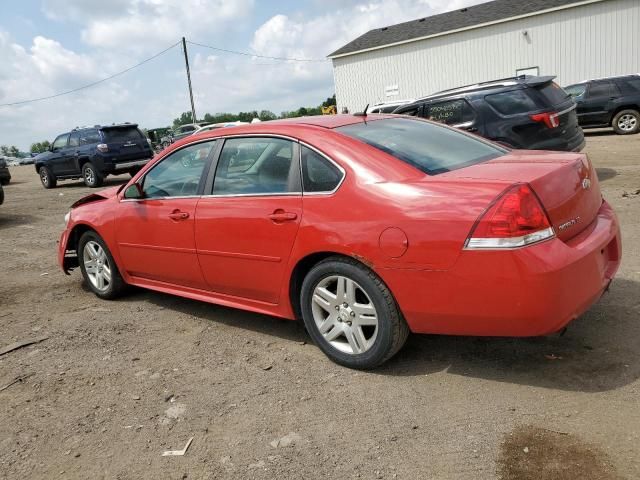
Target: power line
93 84
247 54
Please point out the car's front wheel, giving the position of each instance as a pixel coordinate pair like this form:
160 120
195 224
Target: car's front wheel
91 176
47 178
626 122
351 314
98 268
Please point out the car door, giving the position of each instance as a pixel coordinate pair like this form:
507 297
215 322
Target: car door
246 226
73 153
597 105
155 230
57 161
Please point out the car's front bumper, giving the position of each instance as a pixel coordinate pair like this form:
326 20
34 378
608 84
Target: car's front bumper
529 291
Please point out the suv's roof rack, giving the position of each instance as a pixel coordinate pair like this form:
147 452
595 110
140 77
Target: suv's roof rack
500 82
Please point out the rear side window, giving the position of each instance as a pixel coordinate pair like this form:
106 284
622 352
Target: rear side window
74 139
511 103
602 89
630 86
431 148
451 112
318 173
553 93
89 137
122 135
576 90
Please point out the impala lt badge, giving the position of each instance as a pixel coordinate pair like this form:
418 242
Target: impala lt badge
586 183
570 223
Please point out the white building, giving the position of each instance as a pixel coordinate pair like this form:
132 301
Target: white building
574 40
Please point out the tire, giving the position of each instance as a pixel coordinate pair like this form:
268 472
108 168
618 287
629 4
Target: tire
626 122
91 176
6 181
47 178
332 318
93 254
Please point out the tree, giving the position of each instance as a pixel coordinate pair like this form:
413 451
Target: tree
183 119
266 115
40 147
329 101
14 151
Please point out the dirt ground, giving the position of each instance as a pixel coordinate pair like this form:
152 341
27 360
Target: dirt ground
117 383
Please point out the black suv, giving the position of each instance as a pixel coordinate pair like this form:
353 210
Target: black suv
520 112
93 153
609 102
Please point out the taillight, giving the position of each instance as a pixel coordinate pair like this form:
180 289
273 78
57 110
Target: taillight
103 147
515 219
550 119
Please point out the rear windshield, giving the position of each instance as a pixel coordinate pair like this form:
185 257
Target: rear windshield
553 93
122 135
431 148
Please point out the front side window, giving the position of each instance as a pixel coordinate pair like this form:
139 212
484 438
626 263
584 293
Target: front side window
451 112
61 141
318 173
254 166
179 174
512 103
430 148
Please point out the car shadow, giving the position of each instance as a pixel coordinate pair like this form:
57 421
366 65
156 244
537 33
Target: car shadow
605 174
8 220
599 133
598 352
109 182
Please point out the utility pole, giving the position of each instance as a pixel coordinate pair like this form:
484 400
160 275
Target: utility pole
186 63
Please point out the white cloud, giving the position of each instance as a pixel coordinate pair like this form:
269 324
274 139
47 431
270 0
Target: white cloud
147 25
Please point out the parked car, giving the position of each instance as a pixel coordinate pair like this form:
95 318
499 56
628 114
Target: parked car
5 174
366 227
609 102
524 112
215 126
388 107
93 153
180 132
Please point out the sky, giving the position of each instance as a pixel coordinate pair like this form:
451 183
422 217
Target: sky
52 46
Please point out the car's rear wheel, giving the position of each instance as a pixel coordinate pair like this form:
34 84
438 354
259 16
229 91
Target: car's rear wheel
47 178
99 270
91 176
626 122
351 314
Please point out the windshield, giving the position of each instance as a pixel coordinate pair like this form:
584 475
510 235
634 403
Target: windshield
431 148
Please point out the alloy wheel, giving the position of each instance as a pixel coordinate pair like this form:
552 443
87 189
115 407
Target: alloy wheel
344 314
89 176
97 266
627 122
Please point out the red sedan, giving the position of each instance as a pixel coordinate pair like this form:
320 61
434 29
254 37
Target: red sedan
365 227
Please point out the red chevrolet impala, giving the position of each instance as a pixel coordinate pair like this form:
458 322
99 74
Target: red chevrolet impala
367 228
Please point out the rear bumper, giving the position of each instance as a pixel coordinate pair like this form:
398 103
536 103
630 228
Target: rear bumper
530 291
121 167
576 143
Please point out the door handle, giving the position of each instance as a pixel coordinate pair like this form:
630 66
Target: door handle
178 215
282 216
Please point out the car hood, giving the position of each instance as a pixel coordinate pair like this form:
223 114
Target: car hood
105 194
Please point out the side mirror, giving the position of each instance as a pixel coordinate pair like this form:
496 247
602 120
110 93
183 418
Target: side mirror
134 191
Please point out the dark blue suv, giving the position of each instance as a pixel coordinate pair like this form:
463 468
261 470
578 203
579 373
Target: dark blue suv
93 153
524 112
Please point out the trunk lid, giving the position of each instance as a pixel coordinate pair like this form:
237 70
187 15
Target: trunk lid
566 183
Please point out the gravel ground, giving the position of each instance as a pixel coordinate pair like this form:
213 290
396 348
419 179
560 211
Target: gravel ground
117 383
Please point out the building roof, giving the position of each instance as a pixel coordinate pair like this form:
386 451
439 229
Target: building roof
470 17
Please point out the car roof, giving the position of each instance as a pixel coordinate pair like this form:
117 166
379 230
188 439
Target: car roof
326 121
616 77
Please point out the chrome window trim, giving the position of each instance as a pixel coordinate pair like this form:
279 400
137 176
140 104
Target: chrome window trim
567 110
330 160
151 199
